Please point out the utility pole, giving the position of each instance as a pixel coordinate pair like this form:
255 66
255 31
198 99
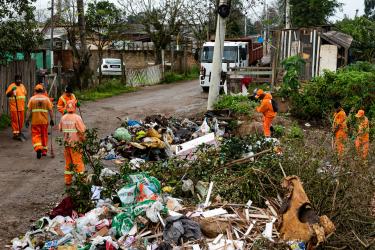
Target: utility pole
265 28
245 24
223 12
52 10
208 23
287 14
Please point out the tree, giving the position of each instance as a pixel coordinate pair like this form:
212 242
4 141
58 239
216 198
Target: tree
18 29
103 18
162 20
311 12
73 19
362 30
370 8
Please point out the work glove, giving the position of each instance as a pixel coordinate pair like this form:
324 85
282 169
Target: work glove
52 123
65 111
78 104
14 88
27 124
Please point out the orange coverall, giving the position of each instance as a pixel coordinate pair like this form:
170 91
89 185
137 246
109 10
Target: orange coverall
21 100
363 138
73 128
340 130
63 100
268 114
39 106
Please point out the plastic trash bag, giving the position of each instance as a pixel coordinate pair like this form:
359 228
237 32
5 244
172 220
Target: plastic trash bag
122 134
153 210
127 194
205 128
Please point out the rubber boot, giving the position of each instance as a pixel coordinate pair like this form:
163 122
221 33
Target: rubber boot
39 154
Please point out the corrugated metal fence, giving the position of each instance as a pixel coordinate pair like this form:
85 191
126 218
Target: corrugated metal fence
7 73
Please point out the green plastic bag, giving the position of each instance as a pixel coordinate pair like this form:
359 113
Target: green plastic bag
118 221
150 181
122 134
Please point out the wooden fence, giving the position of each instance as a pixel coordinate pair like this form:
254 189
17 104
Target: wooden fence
7 72
144 76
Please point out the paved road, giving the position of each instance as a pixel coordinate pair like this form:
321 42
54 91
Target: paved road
30 187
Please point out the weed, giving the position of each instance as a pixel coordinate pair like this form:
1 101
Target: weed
278 131
4 121
238 104
340 189
295 132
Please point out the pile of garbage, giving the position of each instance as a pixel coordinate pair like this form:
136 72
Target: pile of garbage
180 194
149 218
158 138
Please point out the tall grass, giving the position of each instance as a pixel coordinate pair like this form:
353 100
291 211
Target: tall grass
107 89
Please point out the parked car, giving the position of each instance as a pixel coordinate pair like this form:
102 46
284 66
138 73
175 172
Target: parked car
111 67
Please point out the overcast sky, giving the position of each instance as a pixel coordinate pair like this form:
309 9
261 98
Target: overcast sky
349 7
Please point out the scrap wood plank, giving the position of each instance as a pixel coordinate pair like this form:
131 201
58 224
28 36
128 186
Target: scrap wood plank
259 216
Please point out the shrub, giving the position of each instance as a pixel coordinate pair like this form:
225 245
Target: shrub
353 86
293 67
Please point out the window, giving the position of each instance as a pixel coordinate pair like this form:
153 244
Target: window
230 54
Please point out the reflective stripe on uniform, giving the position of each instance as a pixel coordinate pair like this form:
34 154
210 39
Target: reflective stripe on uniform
18 98
40 110
37 144
63 99
70 130
68 172
39 98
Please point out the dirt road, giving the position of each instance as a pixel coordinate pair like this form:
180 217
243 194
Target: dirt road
30 187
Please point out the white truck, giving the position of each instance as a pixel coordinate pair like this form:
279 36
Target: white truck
236 54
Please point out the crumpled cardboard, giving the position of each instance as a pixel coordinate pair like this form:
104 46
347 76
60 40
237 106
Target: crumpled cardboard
299 221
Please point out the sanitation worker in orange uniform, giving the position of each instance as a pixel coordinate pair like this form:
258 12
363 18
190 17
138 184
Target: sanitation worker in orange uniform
17 93
340 129
73 128
38 108
267 110
362 140
63 100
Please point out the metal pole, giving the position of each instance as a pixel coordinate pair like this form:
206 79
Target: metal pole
217 61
